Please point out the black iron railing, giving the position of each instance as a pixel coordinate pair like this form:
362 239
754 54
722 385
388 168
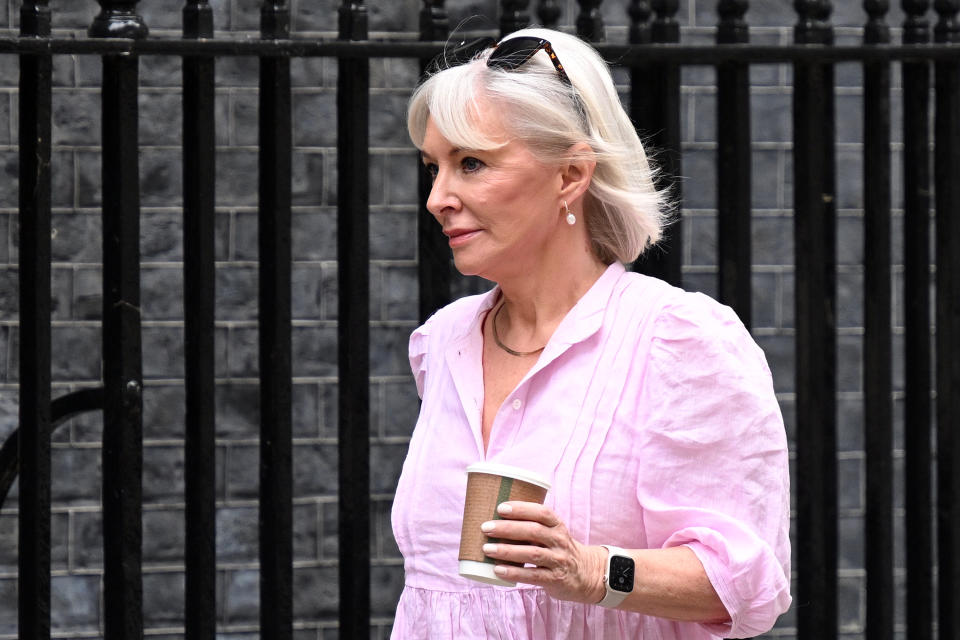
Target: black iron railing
655 57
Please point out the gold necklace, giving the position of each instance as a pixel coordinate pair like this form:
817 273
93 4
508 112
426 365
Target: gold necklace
496 338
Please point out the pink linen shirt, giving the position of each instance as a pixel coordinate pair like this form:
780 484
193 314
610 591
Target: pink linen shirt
652 412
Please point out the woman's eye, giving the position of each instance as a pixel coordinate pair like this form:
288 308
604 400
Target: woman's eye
471 164
431 169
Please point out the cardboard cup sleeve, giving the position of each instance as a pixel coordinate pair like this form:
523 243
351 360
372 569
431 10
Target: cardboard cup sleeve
489 484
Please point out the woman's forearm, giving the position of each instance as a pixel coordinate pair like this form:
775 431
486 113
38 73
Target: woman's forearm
671 583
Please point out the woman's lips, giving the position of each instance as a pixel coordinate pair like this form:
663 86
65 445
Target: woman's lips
460 237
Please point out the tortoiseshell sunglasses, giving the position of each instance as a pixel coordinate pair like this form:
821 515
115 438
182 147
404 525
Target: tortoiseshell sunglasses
507 54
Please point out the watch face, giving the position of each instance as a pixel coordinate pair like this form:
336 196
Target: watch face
621 574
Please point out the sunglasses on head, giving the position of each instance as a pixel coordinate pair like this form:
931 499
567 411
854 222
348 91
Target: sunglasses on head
508 54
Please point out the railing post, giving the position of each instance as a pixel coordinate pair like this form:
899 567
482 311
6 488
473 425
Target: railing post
33 557
122 349
353 326
918 460
655 104
513 16
549 13
815 302
877 355
199 169
734 165
276 431
947 198
433 251
590 21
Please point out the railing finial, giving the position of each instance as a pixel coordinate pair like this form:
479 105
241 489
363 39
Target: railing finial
513 15
813 22
434 23
274 20
876 31
35 18
640 30
732 27
549 13
665 25
118 19
916 27
947 28
353 20
590 21
197 19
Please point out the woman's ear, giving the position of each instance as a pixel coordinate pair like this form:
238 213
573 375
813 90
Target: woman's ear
577 173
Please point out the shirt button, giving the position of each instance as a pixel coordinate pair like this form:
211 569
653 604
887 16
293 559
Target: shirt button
517 404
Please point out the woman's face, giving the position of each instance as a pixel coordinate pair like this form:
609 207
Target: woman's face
498 208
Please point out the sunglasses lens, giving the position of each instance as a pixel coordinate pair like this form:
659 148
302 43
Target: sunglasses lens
515 52
460 54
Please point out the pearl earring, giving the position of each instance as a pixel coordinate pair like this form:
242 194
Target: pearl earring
571 219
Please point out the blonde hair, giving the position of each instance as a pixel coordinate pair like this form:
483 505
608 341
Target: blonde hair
625 213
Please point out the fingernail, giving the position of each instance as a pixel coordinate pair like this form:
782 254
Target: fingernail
499 569
486 527
503 507
489 548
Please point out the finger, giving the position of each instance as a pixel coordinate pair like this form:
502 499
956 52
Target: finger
527 575
522 554
521 530
528 511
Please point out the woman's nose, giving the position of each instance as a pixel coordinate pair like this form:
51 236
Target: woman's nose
442 197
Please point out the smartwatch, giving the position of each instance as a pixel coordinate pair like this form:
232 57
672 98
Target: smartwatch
618 576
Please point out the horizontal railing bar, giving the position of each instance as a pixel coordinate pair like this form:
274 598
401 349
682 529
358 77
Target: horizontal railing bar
619 54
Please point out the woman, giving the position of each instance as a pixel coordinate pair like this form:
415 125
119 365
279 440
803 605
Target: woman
650 409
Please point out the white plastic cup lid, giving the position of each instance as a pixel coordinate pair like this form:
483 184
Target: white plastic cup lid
508 471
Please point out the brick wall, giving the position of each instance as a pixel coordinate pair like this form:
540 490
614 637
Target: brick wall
77 555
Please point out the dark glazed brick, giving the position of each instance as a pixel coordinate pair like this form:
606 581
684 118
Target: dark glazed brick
163 599
238 410
74 603
164 411
163 287
162 474
163 536
314 119
315 470
163 352
315 592
314 235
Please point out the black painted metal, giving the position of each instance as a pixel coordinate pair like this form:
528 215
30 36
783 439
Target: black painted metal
61 409
815 293
199 167
625 55
122 357
118 19
654 57
918 457
734 165
947 202
514 15
590 21
877 356
549 13
433 252
33 557
276 386
655 107
353 327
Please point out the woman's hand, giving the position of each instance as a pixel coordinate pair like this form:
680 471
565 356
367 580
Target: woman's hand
566 569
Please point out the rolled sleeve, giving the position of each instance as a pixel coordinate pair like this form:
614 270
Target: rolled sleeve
718 478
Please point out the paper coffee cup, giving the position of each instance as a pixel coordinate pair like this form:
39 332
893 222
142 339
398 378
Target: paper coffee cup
489 484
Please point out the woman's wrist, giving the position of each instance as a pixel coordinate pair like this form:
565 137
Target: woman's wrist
598 568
